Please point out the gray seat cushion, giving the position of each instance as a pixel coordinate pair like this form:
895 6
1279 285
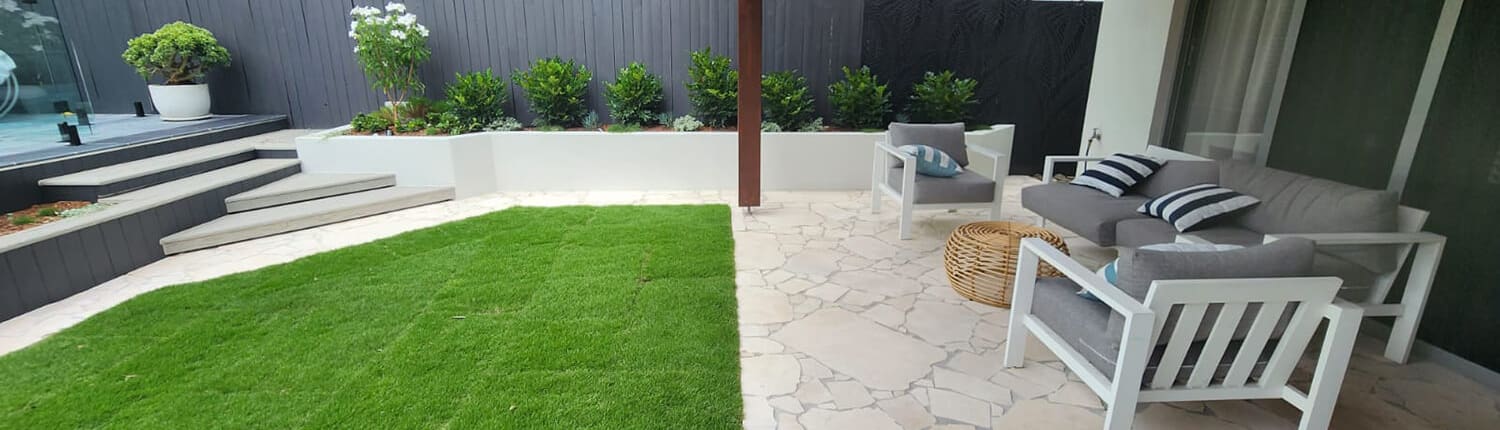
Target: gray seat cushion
1136 233
967 187
1083 324
1082 210
1176 175
948 138
1293 203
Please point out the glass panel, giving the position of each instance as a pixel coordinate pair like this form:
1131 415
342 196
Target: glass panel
38 84
1232 54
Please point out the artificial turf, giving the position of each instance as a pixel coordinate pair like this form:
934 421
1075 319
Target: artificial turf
577 317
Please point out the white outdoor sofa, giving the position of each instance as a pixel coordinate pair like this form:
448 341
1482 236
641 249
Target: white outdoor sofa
1364 237
1188 339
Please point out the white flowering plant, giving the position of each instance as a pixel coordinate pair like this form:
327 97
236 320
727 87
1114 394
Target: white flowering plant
390 44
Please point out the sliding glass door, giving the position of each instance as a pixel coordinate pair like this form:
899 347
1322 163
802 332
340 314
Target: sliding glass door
1233 62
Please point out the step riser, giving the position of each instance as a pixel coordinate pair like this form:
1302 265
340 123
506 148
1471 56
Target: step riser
94 192
176 246
236 206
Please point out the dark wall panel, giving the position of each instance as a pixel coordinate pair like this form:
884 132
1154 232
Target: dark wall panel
1033 61
1350 88
1456 176
294 57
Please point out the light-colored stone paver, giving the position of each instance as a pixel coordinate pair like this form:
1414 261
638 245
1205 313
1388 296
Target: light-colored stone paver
763 306
862 419
907 412
955 406
767 375
850 394
873 354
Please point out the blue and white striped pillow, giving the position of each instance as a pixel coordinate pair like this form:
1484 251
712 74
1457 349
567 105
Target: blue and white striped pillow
1117 173
1189 206
932 161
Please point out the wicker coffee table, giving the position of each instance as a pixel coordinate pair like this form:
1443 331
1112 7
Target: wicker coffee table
981 258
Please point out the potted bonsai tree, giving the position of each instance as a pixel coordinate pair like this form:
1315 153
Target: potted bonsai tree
180 54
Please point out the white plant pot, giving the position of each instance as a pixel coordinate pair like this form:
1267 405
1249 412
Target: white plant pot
181 102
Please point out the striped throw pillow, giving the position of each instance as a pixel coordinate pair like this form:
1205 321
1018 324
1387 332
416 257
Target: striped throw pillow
1189 206
932 161
1117 173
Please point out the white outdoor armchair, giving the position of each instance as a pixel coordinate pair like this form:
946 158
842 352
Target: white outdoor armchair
901 182
1189 340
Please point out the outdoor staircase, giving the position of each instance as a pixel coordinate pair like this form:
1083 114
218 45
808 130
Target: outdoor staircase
307 203
234 191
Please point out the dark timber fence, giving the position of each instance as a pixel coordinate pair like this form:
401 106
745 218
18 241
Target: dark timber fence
294 57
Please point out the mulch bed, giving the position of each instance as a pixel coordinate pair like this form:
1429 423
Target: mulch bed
9 226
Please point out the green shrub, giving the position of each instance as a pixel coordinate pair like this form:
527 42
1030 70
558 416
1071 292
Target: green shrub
477 98
664 118
370 123
941 97
22 220
179 52
448 123
623 128
411 125
591 120
769 127
635 96
503 124
713 88
859 101
47 211
557 90
815 125
686 123
787 101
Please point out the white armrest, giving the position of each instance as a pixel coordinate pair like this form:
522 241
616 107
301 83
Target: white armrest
1090 281
1051 161
905 157
1334 239
986 152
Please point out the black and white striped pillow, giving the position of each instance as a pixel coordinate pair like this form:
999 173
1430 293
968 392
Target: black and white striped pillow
1118 173
1189 206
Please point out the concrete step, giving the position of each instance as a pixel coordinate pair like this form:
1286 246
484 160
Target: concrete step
296 216
205 181
306 186
118 178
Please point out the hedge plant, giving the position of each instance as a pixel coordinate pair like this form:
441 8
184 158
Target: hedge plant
635 96
476 99
179 52
713 88
942 97
860 101
557 90
787 101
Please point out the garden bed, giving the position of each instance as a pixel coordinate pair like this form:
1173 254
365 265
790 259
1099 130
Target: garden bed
479 163
38 215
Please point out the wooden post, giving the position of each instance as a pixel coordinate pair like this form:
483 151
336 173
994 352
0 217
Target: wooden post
749 102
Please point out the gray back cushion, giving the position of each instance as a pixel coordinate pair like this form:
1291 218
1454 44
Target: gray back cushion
948 138
1293 203
1280 259
1176 175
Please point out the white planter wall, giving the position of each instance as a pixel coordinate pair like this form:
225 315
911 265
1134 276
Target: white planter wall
573 161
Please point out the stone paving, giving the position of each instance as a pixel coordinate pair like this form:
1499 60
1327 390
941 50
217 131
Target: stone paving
845 327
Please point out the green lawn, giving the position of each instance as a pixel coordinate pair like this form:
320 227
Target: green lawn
578 317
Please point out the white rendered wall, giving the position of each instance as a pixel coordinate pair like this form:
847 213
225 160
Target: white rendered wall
575 161
1133 63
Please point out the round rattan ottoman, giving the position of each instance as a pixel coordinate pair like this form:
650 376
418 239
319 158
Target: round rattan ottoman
981 259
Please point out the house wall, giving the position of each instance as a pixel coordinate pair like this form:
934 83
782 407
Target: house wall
1132 70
